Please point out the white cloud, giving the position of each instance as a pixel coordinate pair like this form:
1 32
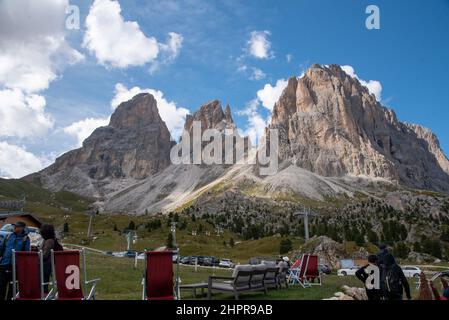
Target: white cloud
32 43
374 86
168 51
119 43
289 57
23 115
259 46
257 74
173 116
269 95
16 162
33 52
84 128
256 124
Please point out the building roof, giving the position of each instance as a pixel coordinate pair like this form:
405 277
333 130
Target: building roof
8 214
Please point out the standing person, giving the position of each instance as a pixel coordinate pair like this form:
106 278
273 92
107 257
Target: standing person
49 243
17 240
362 274
383 251
393 282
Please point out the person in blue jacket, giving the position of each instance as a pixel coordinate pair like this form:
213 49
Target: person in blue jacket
17 240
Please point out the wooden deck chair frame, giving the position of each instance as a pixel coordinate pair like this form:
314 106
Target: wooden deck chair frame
85 282
292 277
16 293
298 275
303 271
176 289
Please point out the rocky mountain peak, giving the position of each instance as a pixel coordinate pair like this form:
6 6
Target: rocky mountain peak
211 116
135 144
331 125
136 113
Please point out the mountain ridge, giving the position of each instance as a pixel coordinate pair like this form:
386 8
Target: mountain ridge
335 138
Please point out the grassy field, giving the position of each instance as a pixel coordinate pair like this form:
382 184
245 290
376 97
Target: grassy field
121 281
119 278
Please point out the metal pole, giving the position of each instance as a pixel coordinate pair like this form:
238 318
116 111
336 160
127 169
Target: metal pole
41 270
89 228
53 277
306 225
175 244
83 251
128 241
14 276
144 280
178 290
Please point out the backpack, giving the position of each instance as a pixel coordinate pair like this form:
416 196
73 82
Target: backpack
393 281
6 239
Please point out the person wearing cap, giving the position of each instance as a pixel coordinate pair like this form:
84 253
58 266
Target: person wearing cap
17 240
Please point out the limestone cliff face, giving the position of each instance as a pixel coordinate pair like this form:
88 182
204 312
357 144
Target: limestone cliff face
135 144
430 142
331 125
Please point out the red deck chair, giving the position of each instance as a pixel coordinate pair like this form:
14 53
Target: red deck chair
158 276
27 274
312 271
67 276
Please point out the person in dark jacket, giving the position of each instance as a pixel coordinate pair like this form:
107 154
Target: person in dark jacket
17 240
362 274
49 243
393 282
383 251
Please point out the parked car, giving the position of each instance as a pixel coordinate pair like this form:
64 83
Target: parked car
226 263
211 261
197 260
119 254
6 229
324 269
411 271
33 234
185 260
347 271
130 254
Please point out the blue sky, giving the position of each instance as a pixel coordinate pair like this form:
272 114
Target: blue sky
408 56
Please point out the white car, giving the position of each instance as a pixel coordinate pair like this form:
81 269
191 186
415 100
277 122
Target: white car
35 237
347 271
226 263
411 271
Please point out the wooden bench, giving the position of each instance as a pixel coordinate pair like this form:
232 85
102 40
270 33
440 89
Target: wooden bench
246 278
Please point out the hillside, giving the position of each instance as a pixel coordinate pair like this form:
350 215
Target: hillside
40 200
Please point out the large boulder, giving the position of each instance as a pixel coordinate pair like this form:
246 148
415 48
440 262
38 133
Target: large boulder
329 251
